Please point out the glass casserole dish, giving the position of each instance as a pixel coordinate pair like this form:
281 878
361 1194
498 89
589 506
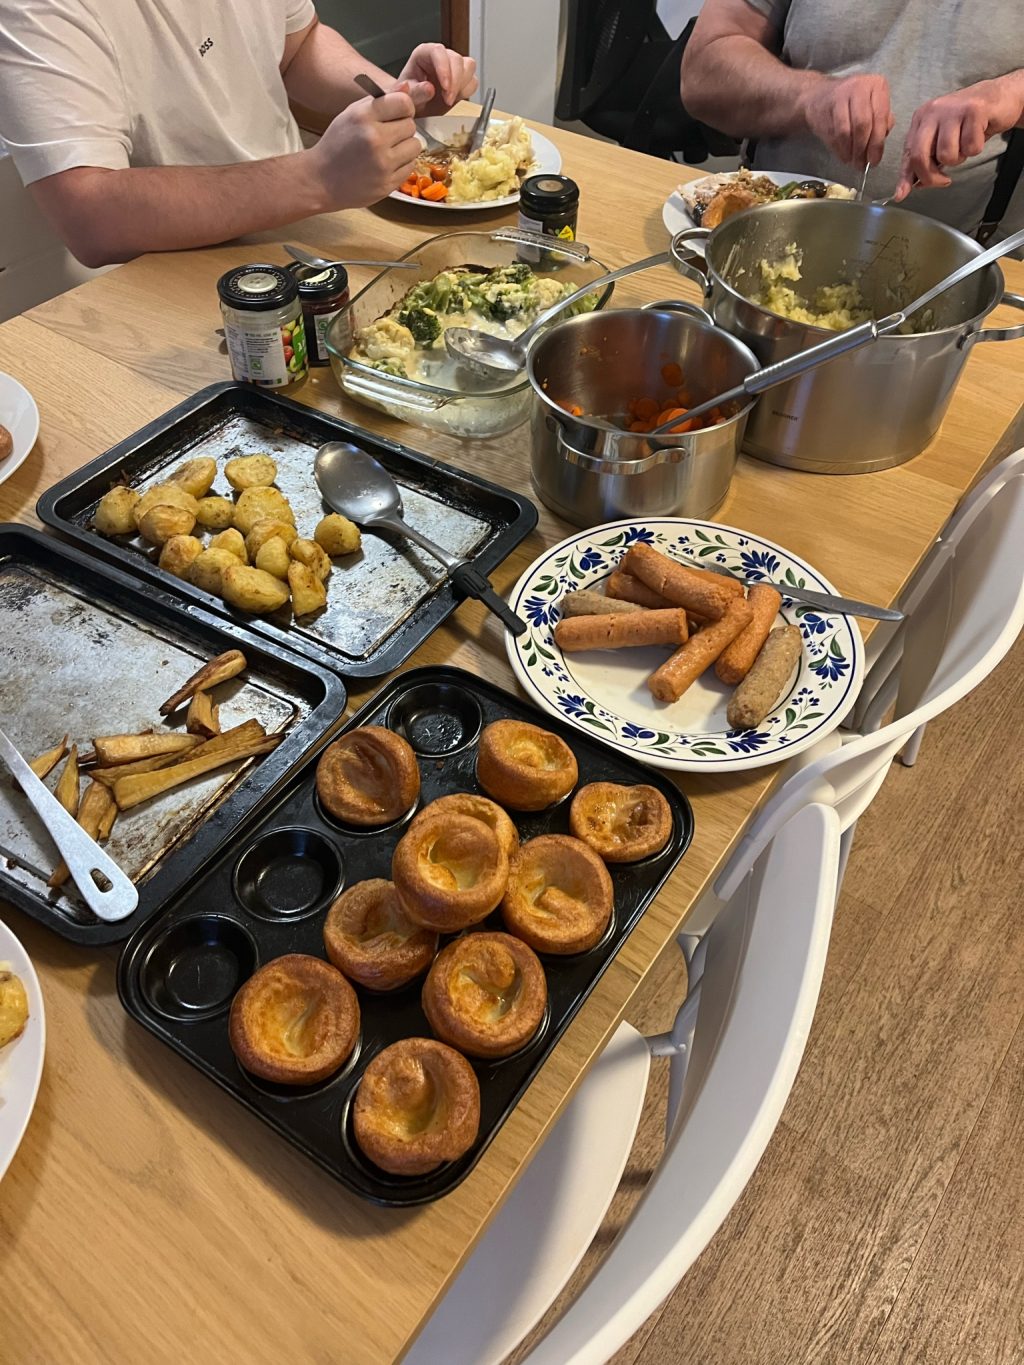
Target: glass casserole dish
457 401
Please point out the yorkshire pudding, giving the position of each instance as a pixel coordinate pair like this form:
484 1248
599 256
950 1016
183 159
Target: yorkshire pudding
418 1105
368 777
295 1021
523 766
559 897
370 938
449 872
486 994
479 808
621 824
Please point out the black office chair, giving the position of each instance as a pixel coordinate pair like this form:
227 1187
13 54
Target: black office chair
621 78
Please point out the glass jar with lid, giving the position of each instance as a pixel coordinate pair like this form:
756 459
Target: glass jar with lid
263 325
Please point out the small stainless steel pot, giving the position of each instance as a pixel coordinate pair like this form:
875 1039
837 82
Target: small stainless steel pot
589 471
878 406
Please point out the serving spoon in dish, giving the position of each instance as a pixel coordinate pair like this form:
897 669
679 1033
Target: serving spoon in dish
360 488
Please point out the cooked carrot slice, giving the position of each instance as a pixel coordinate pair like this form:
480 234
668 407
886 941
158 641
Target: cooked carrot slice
435 191
439 172
424 182
644 408
414 191
641 426
575 410
672 375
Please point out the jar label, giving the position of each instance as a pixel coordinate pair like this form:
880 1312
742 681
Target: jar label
267 354
321 324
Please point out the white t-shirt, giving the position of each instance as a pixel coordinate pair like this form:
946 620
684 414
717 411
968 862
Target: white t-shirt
119 83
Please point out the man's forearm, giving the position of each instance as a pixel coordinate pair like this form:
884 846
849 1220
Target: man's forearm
319 75
109 216
734 84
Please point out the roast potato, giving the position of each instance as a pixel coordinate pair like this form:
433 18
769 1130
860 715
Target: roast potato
250 471
114 516
170 493
216 514
272 557
308 591
311 554
264 530
6 443
252 590
163 520
13 1008
230 540
337 535
179 553
207 570
195 476
257 504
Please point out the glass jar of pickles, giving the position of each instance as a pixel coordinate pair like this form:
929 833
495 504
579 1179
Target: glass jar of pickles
263 325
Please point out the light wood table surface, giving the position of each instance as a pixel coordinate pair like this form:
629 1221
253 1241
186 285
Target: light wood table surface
147 1217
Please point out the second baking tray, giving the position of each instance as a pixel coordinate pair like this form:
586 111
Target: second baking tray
270 895
381 603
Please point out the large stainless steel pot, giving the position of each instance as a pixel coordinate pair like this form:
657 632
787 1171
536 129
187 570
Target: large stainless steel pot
589 471
877 406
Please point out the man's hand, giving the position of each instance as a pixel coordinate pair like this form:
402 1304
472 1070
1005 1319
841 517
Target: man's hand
851 116
948 130
367 150
437 78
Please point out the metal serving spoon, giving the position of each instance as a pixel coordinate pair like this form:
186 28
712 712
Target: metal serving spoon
360 488
842 342
501 356
304 257
109 894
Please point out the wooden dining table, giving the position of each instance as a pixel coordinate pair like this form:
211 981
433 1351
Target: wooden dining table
149 1218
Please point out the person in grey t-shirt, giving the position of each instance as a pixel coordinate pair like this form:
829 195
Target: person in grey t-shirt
923 91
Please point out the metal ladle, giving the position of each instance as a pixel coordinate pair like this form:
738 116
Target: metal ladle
500 356
842 342
360 488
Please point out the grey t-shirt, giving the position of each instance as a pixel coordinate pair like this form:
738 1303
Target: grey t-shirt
924 48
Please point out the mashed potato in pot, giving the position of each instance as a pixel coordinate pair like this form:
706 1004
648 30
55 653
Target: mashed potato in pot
835 306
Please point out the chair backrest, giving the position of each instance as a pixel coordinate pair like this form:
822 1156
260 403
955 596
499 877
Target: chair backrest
763 961
35 264
964 617
602 38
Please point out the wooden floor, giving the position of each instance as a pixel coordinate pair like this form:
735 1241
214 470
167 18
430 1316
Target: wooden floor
885 1222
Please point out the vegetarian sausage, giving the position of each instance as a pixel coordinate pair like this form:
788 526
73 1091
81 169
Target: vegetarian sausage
686 665
736 662
760 690
699 591
666 627
586 602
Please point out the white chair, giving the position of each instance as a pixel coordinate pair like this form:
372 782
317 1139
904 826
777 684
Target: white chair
35 265
735 1048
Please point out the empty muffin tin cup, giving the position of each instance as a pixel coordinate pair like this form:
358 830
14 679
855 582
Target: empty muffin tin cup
436 718
288 874
194 968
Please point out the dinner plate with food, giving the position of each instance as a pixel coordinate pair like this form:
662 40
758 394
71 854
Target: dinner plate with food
485 179
637 637
22 1043
19 425
711 199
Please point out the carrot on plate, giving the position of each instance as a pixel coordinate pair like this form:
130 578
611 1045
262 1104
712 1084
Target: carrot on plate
411 189
438 172
434 191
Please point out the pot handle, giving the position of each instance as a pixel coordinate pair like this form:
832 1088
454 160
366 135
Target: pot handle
596 464
690 263
996 333
693 310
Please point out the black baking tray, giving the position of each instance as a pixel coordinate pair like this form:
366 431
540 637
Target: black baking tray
98 608
200 950
423 596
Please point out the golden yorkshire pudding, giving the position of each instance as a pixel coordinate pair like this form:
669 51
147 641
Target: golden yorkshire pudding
449 872
418 1105
295 1021
370 938
559 897
478 808
486 994
621 824
523 766
368 777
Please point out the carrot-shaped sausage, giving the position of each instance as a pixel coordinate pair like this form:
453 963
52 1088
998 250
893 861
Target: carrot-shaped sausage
736 662
697 590
586 602
686 665
624 587
760 690
666 627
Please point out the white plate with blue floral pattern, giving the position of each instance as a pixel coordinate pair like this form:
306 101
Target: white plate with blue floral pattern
604 693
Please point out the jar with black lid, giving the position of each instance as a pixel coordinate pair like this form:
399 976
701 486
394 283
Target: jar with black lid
263 325
323 291
548 204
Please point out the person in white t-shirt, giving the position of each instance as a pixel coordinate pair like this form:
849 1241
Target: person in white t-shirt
157 125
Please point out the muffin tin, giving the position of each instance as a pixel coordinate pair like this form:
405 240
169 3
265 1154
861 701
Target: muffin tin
270 894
